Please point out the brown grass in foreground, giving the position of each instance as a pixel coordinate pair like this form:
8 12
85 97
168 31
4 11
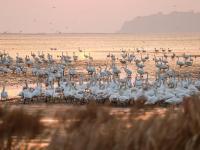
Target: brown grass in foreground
17 125
95 129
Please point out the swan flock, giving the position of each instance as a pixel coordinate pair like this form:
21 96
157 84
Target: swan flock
114 82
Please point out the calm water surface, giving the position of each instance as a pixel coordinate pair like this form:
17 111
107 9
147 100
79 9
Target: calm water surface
97 44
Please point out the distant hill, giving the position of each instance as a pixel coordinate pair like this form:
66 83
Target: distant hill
174 22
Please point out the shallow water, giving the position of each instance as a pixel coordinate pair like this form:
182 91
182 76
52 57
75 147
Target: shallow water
97 44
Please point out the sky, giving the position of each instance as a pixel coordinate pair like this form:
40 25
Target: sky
81 16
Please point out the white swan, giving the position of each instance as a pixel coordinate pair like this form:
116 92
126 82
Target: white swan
4 94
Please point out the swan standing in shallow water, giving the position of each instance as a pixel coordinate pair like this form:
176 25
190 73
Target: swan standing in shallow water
26 93
4 94
180 63
37 91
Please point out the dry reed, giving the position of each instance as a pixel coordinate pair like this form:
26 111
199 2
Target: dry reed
94 128
17 125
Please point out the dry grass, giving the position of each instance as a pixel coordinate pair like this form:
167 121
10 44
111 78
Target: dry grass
94 128
17 125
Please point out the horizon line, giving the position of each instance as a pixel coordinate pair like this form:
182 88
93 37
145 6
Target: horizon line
139 33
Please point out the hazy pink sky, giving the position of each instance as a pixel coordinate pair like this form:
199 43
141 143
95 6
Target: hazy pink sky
35 16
